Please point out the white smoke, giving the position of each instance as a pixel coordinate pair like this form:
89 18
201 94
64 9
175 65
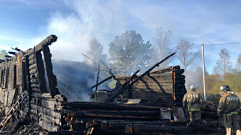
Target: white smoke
88 19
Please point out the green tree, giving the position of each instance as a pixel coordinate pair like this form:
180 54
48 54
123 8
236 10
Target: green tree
213 83
128 53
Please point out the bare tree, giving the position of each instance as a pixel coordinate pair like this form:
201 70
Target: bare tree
185 53
223 64
163 45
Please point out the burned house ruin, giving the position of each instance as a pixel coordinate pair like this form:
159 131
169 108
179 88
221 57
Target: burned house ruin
140 104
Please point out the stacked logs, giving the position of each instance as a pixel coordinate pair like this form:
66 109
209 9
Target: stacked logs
44 108
45 103
165 86
110 118
111 110
79 111
179 89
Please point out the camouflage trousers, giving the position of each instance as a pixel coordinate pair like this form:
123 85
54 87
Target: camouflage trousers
195 115
231 122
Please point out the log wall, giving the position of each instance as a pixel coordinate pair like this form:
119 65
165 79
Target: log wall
26 72
163 86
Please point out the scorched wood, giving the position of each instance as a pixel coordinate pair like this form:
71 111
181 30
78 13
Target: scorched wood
76 105
111 116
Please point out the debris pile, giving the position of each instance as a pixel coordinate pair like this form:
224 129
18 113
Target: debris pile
156 107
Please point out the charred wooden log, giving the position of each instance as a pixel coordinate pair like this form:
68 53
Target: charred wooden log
143 128
106 79
76 105
52 81
125 113
111 116
205 129
48 41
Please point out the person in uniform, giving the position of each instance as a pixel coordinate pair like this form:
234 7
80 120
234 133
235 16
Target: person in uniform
193 101
229 105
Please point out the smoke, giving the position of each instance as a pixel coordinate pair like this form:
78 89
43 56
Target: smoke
193 78
75 78
99 19
74 30
87 19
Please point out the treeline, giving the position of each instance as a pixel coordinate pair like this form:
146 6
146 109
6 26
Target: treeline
128 52
224 73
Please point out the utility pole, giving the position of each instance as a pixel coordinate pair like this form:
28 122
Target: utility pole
204 83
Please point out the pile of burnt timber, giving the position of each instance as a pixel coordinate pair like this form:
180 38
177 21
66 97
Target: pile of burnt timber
164 86
25 72
160 93
112 118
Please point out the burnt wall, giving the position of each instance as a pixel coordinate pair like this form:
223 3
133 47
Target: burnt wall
162 86
31 72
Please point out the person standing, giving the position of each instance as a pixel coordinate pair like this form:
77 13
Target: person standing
229 105
193 101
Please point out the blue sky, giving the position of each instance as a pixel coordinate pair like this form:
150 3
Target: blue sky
25 23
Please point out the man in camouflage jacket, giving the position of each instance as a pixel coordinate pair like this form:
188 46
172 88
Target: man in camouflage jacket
229 105
193 101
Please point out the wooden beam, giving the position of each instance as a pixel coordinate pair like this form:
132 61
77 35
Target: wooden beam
46 42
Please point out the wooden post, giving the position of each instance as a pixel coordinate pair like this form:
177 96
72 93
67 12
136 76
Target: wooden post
98 72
